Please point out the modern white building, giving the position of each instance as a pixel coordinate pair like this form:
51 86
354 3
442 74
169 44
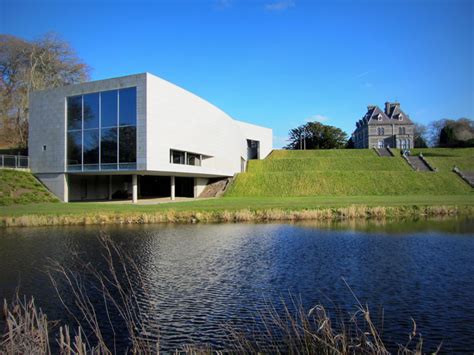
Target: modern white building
135 136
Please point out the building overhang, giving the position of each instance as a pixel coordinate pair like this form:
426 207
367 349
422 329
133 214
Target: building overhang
148 172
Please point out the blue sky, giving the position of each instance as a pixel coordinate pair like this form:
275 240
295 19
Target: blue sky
278 63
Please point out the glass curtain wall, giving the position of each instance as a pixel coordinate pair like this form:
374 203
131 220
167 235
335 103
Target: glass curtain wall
102 130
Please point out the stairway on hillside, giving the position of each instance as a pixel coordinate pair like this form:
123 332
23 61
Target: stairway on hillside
215 188
384 152
417 163
467 176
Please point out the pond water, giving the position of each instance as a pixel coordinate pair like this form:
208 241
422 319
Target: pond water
201 277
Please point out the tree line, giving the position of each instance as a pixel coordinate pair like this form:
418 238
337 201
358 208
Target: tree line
444 133
28 65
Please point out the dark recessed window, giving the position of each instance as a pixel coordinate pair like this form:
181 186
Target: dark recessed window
177 157
193 159
44 148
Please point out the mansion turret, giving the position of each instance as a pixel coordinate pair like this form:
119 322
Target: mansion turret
388 128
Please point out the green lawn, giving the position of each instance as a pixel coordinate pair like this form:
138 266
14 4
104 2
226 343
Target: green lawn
304 154
233 204
344 163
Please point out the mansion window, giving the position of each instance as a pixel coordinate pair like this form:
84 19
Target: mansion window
401 130
380 131
102 130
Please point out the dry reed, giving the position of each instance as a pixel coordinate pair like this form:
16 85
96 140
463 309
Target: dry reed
241 215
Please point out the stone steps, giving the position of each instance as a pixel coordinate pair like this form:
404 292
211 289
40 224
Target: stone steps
417 163
215 188
467 176
384 152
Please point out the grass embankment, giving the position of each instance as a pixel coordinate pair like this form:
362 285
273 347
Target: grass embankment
289 185
444 159
344 173
21 187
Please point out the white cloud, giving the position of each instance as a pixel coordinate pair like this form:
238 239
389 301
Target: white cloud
367 85
280 5
319 118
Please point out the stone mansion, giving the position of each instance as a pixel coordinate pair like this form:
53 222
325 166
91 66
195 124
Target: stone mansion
391 128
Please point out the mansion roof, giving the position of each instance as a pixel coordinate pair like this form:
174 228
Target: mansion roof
392 114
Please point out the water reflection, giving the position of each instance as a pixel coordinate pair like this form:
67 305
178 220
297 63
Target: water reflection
202 276
445 224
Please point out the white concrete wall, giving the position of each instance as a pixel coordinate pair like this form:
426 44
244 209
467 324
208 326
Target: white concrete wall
258 133
178 119
199 186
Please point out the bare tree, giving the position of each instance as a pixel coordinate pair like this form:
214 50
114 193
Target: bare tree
420 136
26 66
452 133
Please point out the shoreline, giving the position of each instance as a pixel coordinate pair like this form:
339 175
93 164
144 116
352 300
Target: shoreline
189 216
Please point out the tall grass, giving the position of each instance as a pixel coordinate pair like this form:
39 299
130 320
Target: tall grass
235 215
113 293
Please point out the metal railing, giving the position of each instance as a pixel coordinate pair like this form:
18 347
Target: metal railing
14 161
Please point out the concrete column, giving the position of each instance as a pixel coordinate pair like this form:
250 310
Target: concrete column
66 188
134 188
199 186
110 187
173 185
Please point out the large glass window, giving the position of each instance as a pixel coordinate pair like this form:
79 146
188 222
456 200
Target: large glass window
127 144
91 111
128 107
108 108
74 112
108 148
74 148
92 148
